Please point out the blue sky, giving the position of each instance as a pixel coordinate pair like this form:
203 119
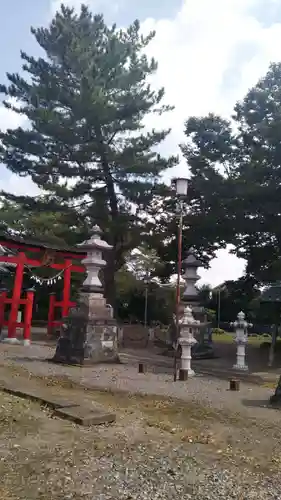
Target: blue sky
209 54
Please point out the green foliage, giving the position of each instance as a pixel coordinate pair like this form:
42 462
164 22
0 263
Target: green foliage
233 296
85 102
211 314
56 228
218 331
130 301
144 263
234 192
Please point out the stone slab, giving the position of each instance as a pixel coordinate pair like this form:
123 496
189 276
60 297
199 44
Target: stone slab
41 395
86 416
63 408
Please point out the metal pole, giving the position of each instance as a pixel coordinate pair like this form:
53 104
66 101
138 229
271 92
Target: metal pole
145 306
219 308
179 267
178 284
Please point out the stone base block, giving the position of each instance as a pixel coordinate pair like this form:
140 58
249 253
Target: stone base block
12 340
242 368
89 334
86 416
89 354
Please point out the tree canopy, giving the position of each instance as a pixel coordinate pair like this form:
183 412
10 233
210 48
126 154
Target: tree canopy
85 145
235 183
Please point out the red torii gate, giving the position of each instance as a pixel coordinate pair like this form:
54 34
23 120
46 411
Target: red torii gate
21 260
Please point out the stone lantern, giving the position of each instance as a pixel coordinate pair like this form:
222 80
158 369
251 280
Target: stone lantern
241 330
190 276
188 328
90 332
93 261
191 295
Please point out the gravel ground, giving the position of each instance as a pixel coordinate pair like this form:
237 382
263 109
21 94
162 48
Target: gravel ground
250 400
46 458
209 444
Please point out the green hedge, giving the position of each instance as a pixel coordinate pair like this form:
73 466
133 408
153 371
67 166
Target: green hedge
218 331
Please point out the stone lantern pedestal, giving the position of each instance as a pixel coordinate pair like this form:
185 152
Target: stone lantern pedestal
188 328
241 329
89 333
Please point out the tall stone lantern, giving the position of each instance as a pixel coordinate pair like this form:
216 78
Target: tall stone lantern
188 328
89 334
241 330
190 276
191 295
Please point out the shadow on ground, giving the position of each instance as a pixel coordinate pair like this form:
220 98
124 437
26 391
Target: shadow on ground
257 403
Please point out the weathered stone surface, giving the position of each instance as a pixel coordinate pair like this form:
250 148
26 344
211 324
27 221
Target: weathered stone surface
42 395
276 398
86 416
85 340
64 408
90 331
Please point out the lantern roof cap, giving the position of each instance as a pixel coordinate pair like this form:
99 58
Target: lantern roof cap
191 260
95 241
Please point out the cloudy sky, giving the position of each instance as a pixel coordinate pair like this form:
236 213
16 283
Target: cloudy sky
209 52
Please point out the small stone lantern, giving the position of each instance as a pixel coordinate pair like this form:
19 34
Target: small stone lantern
241 330
188 328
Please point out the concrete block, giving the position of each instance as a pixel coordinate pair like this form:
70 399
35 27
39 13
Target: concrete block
85 415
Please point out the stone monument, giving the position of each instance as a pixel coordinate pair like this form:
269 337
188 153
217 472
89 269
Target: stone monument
188 328
191 295
241 330
89 333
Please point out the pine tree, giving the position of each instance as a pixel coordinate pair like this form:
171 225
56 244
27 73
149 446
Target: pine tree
86 144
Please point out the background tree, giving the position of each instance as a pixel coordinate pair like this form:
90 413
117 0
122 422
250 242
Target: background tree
56 228
235 167
86 145
131 296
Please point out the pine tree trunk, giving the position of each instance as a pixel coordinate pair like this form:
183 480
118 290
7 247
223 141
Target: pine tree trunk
109 280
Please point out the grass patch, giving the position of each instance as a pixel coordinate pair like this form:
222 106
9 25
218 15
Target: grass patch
228 338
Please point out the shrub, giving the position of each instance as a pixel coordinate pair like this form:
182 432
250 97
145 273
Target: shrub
218 331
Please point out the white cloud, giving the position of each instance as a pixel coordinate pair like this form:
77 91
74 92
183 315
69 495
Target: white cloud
225 266
13 183
94 4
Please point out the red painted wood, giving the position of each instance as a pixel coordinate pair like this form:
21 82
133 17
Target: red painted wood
66 288
16 296
21 260
38 263
30 248
28 315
